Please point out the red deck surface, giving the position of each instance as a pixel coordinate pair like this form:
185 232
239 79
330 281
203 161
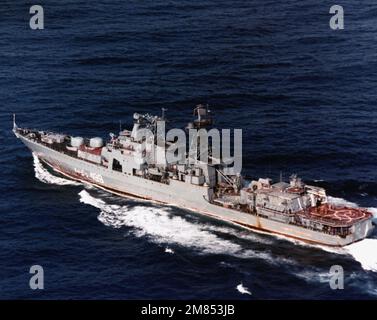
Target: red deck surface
342 215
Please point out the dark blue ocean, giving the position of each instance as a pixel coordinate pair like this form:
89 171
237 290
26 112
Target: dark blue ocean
304 95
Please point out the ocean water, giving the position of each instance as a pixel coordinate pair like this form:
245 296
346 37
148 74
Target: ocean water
304 95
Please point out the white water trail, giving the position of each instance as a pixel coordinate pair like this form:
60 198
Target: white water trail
373 211
43 175
169 250
158 225
243 234
365 252
243 289
314 275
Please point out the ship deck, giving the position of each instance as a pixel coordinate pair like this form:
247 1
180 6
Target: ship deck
63 147
336 216
326 214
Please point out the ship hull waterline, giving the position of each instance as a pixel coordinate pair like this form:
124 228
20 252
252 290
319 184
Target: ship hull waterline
194 200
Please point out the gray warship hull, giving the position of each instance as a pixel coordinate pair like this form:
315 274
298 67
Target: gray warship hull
179 193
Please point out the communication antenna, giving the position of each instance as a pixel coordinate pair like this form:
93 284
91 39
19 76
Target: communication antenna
120 125
163 113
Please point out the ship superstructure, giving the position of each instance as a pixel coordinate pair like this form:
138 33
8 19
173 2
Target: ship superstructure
125 166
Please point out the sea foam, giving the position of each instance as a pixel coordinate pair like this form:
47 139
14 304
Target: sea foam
43 175
162 227
365 252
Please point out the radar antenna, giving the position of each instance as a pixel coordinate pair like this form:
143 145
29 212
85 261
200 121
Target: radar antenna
204 117
163 113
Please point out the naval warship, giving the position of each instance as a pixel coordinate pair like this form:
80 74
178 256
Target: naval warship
123 167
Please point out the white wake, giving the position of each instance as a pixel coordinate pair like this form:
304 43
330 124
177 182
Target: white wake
365 252
43 175
169 250
243 289
163 228
158 225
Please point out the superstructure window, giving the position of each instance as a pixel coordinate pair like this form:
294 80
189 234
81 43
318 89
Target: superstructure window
116 165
